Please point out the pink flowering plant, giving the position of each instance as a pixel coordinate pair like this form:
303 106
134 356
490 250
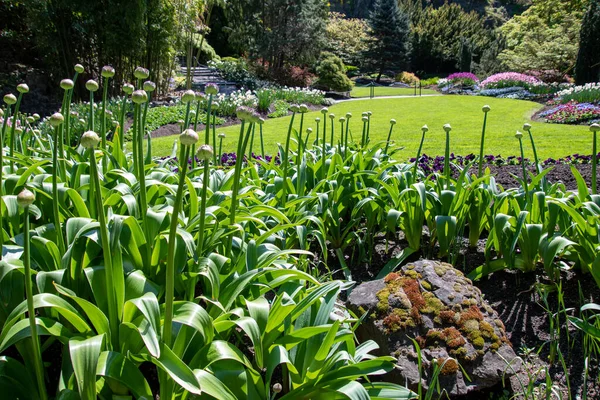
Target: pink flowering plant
510 79
572 113
463 78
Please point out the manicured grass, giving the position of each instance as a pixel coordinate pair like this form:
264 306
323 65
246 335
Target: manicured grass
363 91
462 112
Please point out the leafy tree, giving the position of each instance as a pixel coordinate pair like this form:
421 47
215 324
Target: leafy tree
279 33
588 59
438 36
545 37
388 46
331 73
347 37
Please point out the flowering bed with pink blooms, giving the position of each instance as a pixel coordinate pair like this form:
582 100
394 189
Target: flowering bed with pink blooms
510 79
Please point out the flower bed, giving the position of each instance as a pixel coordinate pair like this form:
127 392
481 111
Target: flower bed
572 113
510 79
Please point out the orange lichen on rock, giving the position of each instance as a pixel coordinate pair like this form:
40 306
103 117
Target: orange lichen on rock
413 292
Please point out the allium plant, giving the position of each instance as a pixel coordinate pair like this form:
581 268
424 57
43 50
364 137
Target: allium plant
594 128
387 143
485 110
24 200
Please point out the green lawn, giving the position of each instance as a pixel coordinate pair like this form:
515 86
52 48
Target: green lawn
363 91
462 112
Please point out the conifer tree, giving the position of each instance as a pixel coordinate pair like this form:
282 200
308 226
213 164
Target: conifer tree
587 68
388 48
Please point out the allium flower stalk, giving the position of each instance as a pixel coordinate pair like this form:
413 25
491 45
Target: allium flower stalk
186 139
107 73
519 136
363 138
245 115
89 141
56 120
485 110
331 117
348 116
387 143
221 137
424 130
261 122
24 200
205 154
8 99
594 128
538 166
22 89
285 157
318 124
447 129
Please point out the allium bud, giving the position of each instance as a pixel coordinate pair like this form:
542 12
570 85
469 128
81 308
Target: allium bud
364 114
518 135
244 113
18 130
30 119
128 88
149 86
82 121
324 110
594 128
91 85
108 71
277 388
25 198
79 68
342 119
10 99
369 113
67 84
141 73
365 119
309 130
303 108
526 127
199 96
447 128
317 120
115 123
348 115
485 108
205 152
188 137
261 121
36 116
211 88
23 88
90 140
222 135
294 108
192 114
188 96
180 122
139 97
56 119
255 117
332 116
215 105
392 121
424 128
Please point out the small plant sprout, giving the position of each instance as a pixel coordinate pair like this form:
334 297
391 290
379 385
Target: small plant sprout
25 199
519 136
424 130
486 109
387 144
594 128
447 129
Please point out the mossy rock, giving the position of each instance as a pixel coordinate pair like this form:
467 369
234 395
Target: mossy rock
434 303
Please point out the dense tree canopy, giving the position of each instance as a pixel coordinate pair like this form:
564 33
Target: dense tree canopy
388 46
347 37
588 59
